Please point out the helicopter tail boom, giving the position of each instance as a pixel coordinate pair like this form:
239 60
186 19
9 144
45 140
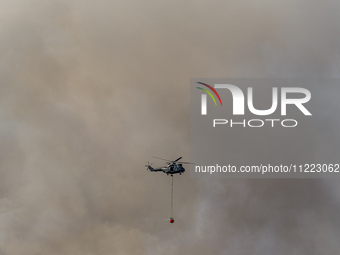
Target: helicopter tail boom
150 168
155 169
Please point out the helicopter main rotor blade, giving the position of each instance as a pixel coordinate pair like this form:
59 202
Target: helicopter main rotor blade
173 162
180 162
176 160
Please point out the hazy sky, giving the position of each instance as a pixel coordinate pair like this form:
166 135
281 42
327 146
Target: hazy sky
91 90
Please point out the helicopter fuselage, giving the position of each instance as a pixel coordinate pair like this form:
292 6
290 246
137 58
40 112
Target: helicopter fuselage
172 169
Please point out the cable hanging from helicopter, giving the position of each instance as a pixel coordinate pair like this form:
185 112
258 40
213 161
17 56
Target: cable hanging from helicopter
172 167
172 220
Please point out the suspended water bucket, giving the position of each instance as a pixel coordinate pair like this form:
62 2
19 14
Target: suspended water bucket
172 220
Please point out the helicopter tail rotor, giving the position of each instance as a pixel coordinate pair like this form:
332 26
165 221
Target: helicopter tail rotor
148 166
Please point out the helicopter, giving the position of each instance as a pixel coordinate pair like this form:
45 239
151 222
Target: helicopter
172 167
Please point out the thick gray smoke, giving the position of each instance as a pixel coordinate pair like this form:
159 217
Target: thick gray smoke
91 89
